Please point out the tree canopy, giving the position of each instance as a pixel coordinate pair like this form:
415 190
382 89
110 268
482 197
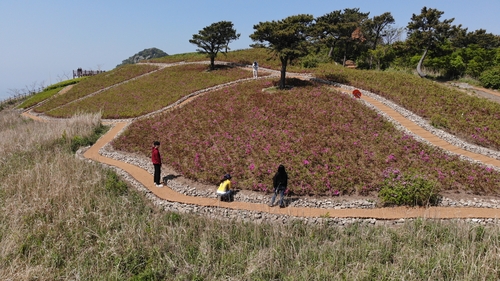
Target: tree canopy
377 27
341 29
449 51
215 38
287 38
426 31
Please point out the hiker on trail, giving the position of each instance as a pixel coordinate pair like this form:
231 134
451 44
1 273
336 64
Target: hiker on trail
280 182
156 158
225 190
255 67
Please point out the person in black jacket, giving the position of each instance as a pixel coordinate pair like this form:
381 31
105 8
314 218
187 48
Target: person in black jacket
280 182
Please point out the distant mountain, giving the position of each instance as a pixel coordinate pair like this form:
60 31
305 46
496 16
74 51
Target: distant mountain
144 55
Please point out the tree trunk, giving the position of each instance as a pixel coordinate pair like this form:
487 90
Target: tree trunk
345 55
419 65
284 62
212 63
330 53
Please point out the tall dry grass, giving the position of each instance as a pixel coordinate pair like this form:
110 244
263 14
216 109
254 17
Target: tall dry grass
37 177
21 134
66 219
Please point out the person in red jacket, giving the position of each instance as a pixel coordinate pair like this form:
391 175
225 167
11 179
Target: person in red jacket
156 158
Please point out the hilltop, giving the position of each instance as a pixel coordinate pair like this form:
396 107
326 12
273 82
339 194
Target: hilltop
145 54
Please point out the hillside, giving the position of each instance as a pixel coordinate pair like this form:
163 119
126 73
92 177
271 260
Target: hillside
91 225
326 154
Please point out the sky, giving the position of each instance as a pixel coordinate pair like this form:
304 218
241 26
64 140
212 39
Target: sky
42 42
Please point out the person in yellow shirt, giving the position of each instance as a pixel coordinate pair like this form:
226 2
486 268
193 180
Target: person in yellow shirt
225 190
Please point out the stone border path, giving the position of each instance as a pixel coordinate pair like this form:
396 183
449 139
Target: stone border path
392 213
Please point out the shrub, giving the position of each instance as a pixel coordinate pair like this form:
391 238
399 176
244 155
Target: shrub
328 141
114 185
491 78
96 83
464 114
310 62
439 121
152 92
79 141
410 189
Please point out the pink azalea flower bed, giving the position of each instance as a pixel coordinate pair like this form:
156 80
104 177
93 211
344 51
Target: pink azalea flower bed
329 142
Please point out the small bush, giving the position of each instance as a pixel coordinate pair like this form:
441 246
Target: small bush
310 62
439 121
114 184
79 141
411 189
491 78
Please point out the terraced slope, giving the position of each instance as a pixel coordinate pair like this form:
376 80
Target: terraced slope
95 84
485 177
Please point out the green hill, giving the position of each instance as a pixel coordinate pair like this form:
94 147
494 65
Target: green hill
145 54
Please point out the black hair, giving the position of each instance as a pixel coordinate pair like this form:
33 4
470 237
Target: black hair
281 177
156 143
225 177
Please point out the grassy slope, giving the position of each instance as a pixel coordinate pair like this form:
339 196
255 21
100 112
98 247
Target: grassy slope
48 92
152 92
95 83
244 57
329 142
66 219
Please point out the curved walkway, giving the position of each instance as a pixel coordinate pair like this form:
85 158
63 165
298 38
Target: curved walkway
166 193
145 178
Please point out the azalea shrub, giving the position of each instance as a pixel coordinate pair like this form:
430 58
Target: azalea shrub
329 142
96 83
407 188
152 92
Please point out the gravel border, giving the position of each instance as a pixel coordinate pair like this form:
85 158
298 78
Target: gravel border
221 213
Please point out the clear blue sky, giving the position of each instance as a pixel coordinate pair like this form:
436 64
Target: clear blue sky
43 41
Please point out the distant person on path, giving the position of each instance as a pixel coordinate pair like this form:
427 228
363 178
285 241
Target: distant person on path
255 67
225 190
156 158
280 183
